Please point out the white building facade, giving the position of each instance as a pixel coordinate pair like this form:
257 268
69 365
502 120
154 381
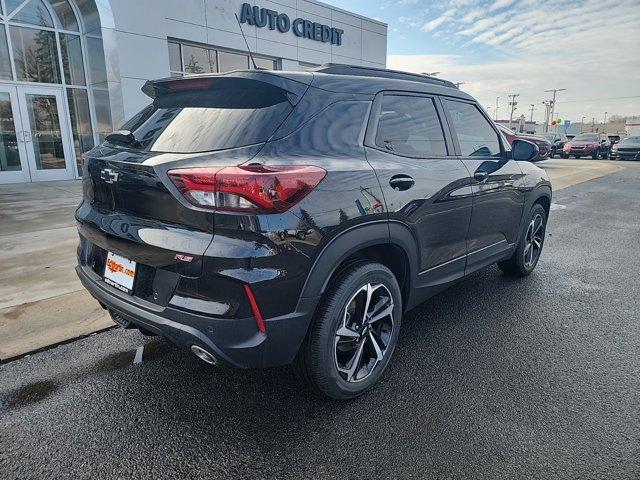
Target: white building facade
71 70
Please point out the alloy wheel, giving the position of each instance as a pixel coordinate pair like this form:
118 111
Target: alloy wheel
534 240
364 333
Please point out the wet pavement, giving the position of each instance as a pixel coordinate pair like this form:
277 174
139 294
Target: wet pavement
494 378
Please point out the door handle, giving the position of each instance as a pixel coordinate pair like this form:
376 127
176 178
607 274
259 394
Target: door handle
401 182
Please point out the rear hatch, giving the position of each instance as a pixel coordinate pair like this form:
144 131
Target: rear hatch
130 207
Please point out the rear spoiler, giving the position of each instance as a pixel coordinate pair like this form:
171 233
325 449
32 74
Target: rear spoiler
295 83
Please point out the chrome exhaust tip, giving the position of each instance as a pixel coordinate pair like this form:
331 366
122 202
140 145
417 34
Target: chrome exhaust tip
203 355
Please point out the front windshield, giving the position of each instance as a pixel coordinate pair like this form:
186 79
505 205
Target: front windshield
586 137
630 140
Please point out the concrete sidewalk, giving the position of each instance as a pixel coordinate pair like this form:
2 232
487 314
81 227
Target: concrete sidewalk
41 300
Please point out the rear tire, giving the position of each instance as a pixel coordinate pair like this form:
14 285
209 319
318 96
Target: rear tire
347 349
525 258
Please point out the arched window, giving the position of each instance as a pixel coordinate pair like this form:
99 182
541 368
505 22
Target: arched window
41 42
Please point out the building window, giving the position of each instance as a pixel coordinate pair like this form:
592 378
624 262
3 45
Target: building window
42 39
186 59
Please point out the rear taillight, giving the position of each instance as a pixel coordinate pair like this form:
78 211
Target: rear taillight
248 188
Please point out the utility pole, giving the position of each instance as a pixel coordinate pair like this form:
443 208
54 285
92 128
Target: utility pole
593 123
533 107
582 123
547 109
512 104
553 101
496 110
604 125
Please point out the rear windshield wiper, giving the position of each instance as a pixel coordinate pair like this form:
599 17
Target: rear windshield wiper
124 137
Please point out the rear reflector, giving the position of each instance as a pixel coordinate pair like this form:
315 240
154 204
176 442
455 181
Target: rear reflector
248 188
254 309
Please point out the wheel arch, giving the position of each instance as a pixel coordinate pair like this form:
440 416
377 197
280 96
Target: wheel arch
391 243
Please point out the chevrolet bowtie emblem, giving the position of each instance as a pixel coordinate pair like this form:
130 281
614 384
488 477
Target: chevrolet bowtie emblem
108 175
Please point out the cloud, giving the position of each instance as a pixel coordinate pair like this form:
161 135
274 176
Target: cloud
585 94
500 4
589 47
436 22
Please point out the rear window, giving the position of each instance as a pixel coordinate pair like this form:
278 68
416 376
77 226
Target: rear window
230 113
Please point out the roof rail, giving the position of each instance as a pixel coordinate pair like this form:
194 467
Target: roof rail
339 69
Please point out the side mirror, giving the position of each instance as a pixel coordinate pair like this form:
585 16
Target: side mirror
523 150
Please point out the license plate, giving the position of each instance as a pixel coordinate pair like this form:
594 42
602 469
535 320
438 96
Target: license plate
119 272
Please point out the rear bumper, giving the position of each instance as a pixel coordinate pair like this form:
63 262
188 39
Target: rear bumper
235 342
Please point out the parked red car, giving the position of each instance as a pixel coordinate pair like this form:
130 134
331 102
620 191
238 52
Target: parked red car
594 145
544 145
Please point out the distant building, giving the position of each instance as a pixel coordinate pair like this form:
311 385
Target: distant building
519 126
632 127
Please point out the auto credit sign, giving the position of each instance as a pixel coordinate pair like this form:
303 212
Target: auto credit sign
267 18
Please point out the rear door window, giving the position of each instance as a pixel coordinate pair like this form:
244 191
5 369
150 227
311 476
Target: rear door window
476 137
410 126
226 114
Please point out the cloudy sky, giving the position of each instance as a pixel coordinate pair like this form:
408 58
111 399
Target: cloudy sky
591 48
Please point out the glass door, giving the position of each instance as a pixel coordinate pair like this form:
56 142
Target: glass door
45 134
13 164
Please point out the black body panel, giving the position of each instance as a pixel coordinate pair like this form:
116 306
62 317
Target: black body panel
194 264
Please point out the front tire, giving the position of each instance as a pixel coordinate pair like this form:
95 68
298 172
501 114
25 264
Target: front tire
354 332
525 258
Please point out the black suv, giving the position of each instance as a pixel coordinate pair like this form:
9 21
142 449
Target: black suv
261 218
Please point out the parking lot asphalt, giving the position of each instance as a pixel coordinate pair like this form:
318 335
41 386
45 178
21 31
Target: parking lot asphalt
494 378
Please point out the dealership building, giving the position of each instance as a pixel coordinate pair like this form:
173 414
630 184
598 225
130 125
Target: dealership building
71 70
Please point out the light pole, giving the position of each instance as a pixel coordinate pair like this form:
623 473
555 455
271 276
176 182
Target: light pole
553 101
604 125
496 110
